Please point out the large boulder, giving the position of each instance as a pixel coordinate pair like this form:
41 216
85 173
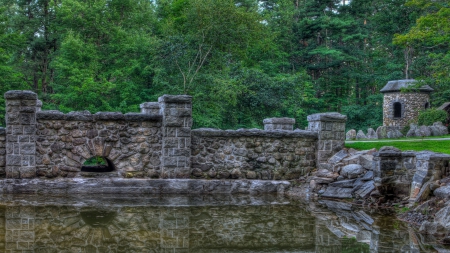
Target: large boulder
351 134
441 129
394 134
360 135
338 156
423 131
352 171
382 132
412 130
371 134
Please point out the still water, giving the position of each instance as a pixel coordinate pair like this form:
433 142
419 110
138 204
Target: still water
220 223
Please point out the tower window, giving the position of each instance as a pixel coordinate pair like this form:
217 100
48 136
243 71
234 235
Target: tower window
427 105
397 110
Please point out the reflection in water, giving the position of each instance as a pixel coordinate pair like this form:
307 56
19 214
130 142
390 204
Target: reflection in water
230 224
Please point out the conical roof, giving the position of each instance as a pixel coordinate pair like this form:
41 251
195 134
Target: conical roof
397 85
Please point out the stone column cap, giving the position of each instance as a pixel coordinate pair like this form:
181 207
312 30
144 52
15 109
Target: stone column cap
150 105
20 94
177 99
287 121
327 116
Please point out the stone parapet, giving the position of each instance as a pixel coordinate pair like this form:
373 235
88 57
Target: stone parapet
331 135
211 132
150 108
20 130
99 116
279 124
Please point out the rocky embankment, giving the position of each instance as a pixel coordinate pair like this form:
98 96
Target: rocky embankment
414 184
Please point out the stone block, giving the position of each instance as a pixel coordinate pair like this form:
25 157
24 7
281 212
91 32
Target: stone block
27 148
27 118
27 172
183 132
13 160
169 161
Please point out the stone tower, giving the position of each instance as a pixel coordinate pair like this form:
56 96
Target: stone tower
401 108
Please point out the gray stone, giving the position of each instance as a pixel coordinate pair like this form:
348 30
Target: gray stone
2 131
361 136
137 117
365 189
382 132
279 124
368 176
344 183
176 99
50 115
352 171
351 134
208 132
337 192
442 129
371 134
366 161
423 131
442 192
81 116
338 156
442 217
430 228
110 116
394 134
329 116
20 94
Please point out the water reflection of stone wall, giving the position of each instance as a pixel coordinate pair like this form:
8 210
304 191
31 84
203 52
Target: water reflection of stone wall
159 229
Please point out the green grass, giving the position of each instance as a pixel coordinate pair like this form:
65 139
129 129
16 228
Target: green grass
441 146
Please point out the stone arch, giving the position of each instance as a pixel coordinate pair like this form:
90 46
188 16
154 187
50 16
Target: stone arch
97 147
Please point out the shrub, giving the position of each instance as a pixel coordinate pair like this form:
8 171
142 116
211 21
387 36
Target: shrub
428 117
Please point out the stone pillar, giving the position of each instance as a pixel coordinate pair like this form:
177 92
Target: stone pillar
331 129
2 151
20 134
279 124
150 108
176 135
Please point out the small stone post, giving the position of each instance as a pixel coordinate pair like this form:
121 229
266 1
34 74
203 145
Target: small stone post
279 124
176 136
20 134
331 129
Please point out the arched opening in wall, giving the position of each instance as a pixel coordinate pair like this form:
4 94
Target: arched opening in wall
427 105
397 110
97 164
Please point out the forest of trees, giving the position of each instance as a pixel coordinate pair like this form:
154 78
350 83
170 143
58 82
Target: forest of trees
241 60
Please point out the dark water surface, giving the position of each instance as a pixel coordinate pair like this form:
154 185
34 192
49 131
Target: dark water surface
220 223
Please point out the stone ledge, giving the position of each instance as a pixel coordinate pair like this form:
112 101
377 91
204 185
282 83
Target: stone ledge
142 117
329 116
209 132
2 131
50 115
140 186
286 121
80 116
150 105
109 116
177 99
20 94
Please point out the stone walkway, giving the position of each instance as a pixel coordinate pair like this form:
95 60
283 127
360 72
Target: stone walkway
396 140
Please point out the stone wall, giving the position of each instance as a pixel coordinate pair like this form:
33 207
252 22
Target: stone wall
132 142
158 143
2 151
411 103
252 154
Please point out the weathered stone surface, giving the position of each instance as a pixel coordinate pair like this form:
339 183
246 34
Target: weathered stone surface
337 192
360 135
344 183
368 176
423 131
352 171
442 217
141 117
211 132
21 94
365 189
109 116
371 134
442 192
79 116
394 134
2 131
382 132
330 116
50 115
338 156
351 134
366 161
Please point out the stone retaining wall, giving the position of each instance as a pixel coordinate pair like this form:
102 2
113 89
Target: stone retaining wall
157 143
252 154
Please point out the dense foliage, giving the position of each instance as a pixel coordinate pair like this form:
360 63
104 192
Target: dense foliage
428 117
241 60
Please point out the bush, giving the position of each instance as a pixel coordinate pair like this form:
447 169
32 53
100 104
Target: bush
428 117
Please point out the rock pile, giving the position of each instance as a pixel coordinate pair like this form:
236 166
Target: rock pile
350 175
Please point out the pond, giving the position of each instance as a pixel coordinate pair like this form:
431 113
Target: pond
203 223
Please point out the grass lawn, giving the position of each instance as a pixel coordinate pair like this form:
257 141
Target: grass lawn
416 144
